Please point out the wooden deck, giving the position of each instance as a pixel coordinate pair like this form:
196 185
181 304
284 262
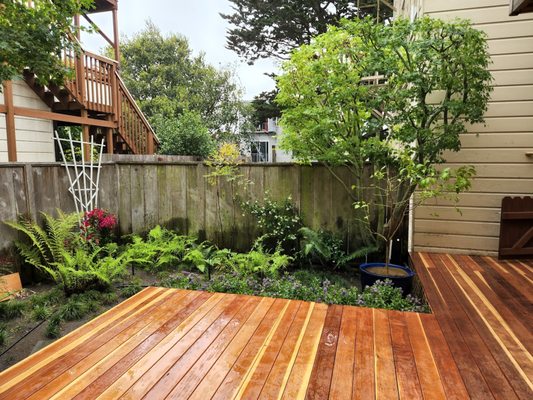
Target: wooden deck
166 343
484 308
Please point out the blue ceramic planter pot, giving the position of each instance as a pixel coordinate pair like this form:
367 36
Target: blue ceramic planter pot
405 282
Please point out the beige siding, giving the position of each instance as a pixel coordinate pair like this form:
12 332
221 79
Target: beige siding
34 136
496 148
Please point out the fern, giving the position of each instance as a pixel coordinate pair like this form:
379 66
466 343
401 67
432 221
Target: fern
45 244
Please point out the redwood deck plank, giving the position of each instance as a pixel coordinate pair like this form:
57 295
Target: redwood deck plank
123 310
276 380
499 342
183 344
364 364
212 379
404 361
300 374
196 374
386 382
200 336
239 371
259 372
323 368
343 370
470 372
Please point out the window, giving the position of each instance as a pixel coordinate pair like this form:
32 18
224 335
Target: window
259 151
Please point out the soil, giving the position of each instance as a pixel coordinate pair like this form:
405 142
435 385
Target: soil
384 271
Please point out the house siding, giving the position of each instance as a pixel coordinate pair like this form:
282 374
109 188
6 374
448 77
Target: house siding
496 148
35 142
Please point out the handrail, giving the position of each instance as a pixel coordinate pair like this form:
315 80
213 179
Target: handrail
138 109
100 57
133 125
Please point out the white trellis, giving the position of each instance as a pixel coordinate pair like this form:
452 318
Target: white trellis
83 175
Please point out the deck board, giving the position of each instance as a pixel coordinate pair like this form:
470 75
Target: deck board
168 343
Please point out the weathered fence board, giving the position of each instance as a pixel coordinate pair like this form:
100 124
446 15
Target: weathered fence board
178 195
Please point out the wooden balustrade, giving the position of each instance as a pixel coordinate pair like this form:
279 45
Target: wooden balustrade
97 86
133 125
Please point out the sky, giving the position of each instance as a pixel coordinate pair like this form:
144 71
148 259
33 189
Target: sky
199 21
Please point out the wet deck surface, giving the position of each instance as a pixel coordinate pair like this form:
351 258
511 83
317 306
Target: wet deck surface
484 308
167 343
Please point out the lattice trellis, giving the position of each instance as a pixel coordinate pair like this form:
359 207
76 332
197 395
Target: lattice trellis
83 174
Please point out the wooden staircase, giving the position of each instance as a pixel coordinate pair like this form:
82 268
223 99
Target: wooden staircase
95 90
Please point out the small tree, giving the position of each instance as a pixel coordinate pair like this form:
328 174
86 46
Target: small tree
429 79
34 37
185 136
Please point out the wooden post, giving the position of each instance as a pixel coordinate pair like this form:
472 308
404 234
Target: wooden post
109 138
116 37
77 25
10 122
85 136
150 144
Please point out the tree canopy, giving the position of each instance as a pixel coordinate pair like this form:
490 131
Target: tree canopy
168 80
34 36
265 107
434 80
262 29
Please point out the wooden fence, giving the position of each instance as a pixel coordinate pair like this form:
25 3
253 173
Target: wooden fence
177 195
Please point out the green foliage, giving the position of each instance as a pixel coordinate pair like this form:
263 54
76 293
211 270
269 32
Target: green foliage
324 248
279 222
46 244
434 81
383 295
307 285
161 249
41 312
86 269
264 107
34 37
258 262
166 78
187 135
49 298
262 29
74 308
130 290
53 328
11 309
3 335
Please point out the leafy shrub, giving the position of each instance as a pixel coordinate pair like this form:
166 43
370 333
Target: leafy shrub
324 248
187 136
279 222
47 244
87 269
161 249
258 262
98 226
12 309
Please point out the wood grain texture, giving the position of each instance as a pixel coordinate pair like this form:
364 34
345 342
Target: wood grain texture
167 343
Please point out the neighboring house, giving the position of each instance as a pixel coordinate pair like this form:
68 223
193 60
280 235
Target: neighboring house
264 143
95 99
502 148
